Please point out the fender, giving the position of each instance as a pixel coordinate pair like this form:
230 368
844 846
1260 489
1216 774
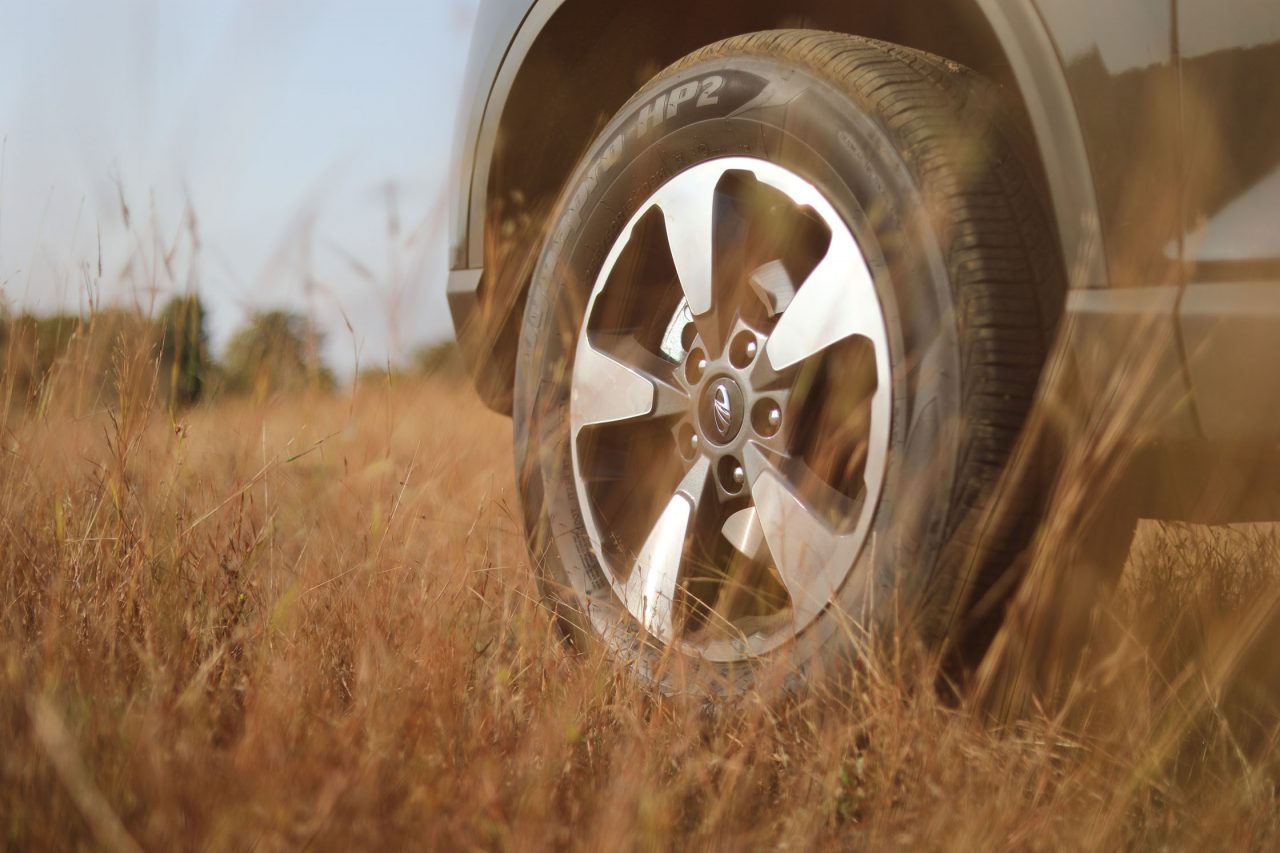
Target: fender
1011 37
1021 33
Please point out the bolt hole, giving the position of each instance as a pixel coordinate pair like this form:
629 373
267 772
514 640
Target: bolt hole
732 475
766 418
688 440
743 350
687 336
695 366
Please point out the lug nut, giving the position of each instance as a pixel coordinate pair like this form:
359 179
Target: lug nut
743 350
687 441
730 474
696 366
766 418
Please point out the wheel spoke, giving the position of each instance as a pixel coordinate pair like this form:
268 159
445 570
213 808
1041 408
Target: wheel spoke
837 300
744 532
688 207
810 556
619 380
651 588
873 469
773 284
689 211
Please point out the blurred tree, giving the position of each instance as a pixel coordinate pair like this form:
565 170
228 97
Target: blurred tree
31 347
276 351
78 360
184 348
438 358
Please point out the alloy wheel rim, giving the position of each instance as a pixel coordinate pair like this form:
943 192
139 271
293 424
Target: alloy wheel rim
702 393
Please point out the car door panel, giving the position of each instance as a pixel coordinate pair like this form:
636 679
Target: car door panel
1229 315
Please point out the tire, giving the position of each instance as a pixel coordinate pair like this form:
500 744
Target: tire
915 158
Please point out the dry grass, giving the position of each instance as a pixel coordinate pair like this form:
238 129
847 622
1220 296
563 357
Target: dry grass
311 623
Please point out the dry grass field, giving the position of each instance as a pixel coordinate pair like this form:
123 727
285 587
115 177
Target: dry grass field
308 621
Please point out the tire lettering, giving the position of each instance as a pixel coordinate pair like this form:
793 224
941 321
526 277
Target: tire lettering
703 93
679 96
651 114
710 89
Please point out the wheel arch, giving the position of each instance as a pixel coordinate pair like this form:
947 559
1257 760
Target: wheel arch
573 63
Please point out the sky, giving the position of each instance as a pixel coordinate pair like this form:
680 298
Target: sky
308 140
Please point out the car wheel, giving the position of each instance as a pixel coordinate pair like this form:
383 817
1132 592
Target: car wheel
781 341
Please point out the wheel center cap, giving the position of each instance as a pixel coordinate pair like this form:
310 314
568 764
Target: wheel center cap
721 410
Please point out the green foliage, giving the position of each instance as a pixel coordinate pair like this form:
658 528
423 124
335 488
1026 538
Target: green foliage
81 356
277 351
438 358
184 348
89 359
31 345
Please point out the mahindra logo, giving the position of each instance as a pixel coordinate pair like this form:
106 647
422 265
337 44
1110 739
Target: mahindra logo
722 409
